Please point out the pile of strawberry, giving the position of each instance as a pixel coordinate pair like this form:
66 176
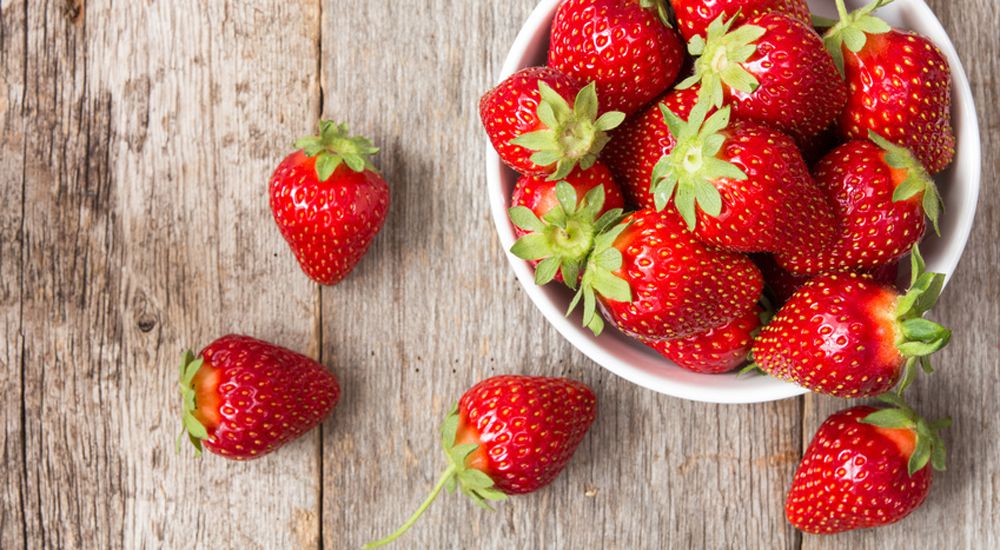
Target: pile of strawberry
747 200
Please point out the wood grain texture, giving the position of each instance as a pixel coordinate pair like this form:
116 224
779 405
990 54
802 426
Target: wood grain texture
137 139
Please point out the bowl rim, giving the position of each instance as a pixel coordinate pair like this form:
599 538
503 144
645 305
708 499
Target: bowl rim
693 386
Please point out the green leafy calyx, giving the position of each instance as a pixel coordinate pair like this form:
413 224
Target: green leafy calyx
564 235
720 57
573 136
190 425
474 483
917 179
852 30
916 337
929 447
688 173
599 278
335 146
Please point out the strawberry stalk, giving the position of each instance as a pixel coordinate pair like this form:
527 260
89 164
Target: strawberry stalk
853 29
335 146
599 277
719 58
473 482
564 236
917 179
574 135
918 338
190 425
929 446
662 11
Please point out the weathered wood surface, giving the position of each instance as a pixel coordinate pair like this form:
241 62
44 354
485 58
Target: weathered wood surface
137 138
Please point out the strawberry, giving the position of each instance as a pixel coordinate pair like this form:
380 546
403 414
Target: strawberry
533 128
848 336
741 187
244 398
626 46
556 222
637 146
509 435
880 194
329 202
656 281
783 284
773 69
865 467
694 16
715 351
899 85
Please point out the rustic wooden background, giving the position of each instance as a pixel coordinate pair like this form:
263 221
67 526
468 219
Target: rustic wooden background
137 139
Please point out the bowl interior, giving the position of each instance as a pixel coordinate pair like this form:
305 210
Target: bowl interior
959 186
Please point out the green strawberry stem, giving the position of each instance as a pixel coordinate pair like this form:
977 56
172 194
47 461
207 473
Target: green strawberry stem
719 59
688 172
929 445
190 425
662 11
917 179
563 237
918 338
474 483
449 473
853 29
335 146
573 135
599 278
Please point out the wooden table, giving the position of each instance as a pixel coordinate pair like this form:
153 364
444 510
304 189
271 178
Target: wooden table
137 139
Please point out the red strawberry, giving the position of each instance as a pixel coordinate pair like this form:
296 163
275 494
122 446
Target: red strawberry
880 194
865 467
626 46
637 146
899 85
244 398
655 281
510 435
773 69
783 284
535 130
716 350
556 223
848 336
694 16
329 202
741 186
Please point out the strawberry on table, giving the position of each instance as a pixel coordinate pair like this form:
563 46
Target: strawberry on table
244 398
627 47
544 123
509 435
848 336
556 222
773 69
716 350
899 85
880 194
865 467
694 16
329 202
655 281
742 186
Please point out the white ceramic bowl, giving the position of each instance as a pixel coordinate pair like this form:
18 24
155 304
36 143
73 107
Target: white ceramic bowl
614 351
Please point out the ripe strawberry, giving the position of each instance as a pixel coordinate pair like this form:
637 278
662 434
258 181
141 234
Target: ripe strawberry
780 283
655 281
638 145
694 16
556 222
741 186
880 193
715 351
329 202
899 85
865 467
533 128
509 435
848 336
626 46
244 398
773 69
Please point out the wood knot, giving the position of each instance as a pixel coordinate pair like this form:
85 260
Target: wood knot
73 11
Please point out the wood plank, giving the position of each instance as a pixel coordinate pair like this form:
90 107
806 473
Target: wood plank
151 130
963 509
434 308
